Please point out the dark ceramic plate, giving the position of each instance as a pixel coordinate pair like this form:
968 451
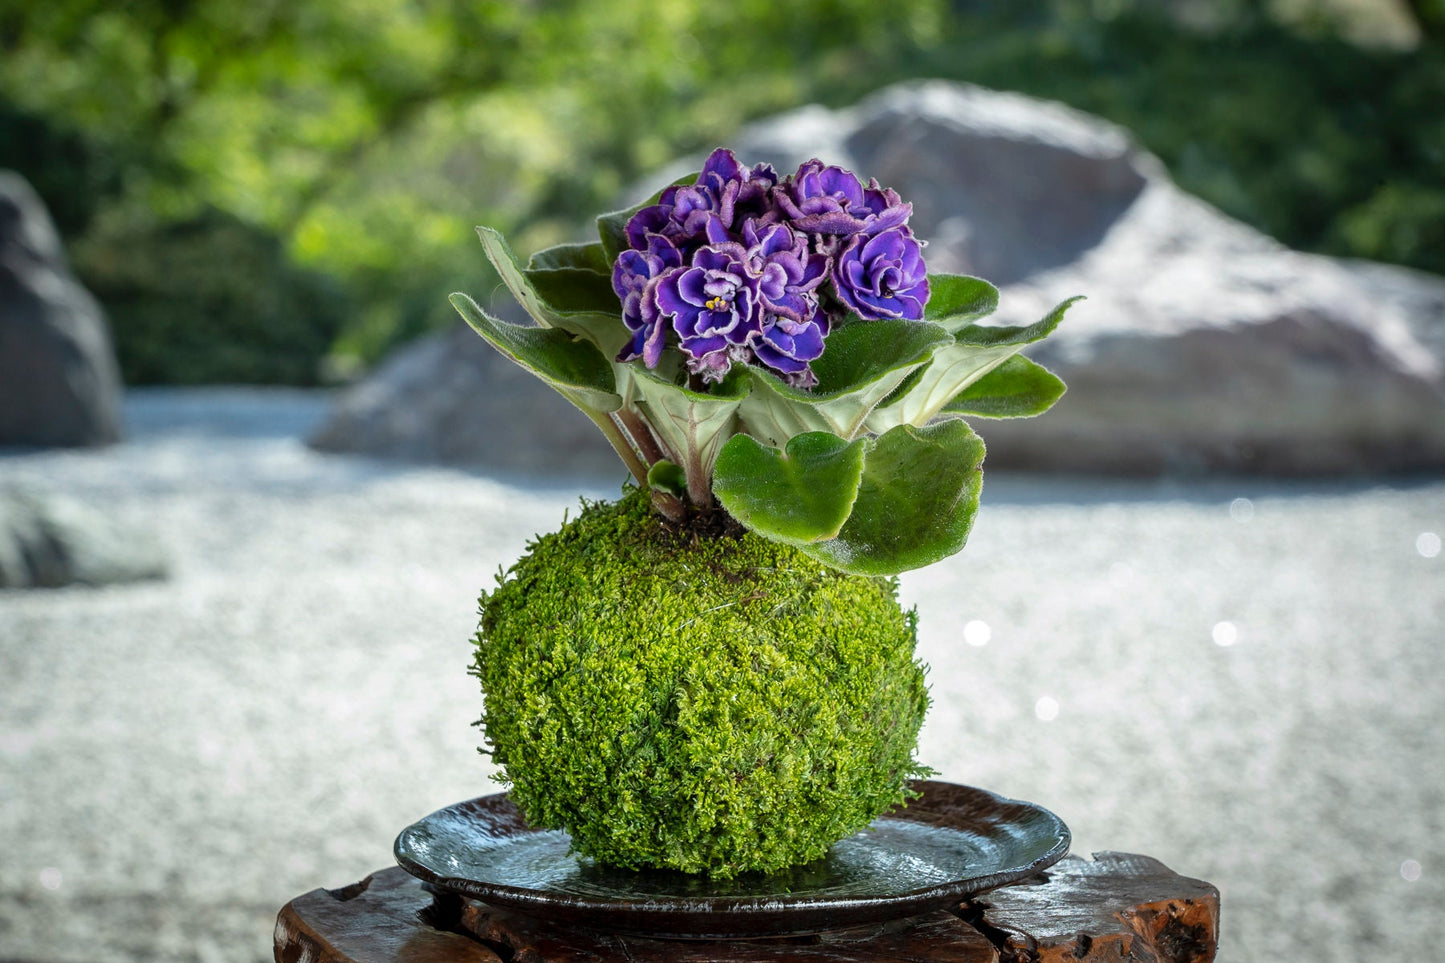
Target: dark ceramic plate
953 842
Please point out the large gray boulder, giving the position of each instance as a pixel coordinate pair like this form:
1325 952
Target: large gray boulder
1203 345
59 381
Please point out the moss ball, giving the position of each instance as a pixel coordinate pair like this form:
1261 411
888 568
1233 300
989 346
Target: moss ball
710 705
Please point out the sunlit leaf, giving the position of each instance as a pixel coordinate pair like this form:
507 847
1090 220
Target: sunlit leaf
974 352
798 495
916 501
499 252
956 300
1018 388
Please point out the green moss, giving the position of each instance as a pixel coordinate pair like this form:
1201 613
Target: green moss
717 705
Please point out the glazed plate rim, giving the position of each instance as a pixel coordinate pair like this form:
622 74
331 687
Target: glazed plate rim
773 912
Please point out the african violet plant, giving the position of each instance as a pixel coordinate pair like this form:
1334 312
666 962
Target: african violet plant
766 354
783 352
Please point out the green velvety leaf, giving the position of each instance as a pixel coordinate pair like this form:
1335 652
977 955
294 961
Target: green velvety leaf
799 495
499 252
691 425
1018 388
586 306
998 335
916 501
575 368
956 299
667 477
574 289
861 365
612 228
586 257
976 350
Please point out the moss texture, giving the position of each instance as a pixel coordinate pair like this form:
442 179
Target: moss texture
715 705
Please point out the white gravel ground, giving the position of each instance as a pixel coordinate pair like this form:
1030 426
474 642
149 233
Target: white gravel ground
1248 690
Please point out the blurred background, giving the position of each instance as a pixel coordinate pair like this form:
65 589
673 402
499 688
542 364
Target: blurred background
305 176
1199 616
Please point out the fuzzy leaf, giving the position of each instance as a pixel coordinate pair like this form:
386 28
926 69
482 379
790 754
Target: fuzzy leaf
691 425
956 299
916 501
976 350
499 252
1020 335
796 496
612 228
587 257
583 303
863 363
575 289
576 369
665 476
1018 388
586 306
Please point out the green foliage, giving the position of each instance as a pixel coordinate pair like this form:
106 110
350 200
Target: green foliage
879 506
723 705
370 139
179 319
809 468
64 167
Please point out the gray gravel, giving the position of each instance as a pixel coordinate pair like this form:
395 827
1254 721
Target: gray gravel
179 758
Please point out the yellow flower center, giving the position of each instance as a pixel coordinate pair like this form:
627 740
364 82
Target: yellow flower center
717 304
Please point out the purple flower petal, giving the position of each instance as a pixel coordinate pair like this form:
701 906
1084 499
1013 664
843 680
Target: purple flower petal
883 275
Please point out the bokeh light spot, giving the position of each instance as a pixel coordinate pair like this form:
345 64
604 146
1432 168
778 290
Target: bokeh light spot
1410 870
50 878
977 633
1427 544
1047 708
1241 509
1225 633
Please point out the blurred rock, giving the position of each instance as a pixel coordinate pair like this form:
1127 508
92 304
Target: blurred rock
1203 345
48 540
59 382
450 397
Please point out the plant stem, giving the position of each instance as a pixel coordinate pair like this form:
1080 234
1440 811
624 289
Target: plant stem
669 506
699 492
608 424
641 434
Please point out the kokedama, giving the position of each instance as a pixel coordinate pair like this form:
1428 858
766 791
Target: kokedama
713 674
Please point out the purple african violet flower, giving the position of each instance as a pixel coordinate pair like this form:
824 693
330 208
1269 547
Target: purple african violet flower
634 279
750 189
681 215
831 200
704 212
715 308
736 264
787 346
882 275
787 272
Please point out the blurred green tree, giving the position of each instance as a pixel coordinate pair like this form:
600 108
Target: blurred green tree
366 137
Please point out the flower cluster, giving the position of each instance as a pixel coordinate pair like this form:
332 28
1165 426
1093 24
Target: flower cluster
742 266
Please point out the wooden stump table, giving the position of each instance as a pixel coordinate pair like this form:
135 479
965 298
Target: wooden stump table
1116 907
